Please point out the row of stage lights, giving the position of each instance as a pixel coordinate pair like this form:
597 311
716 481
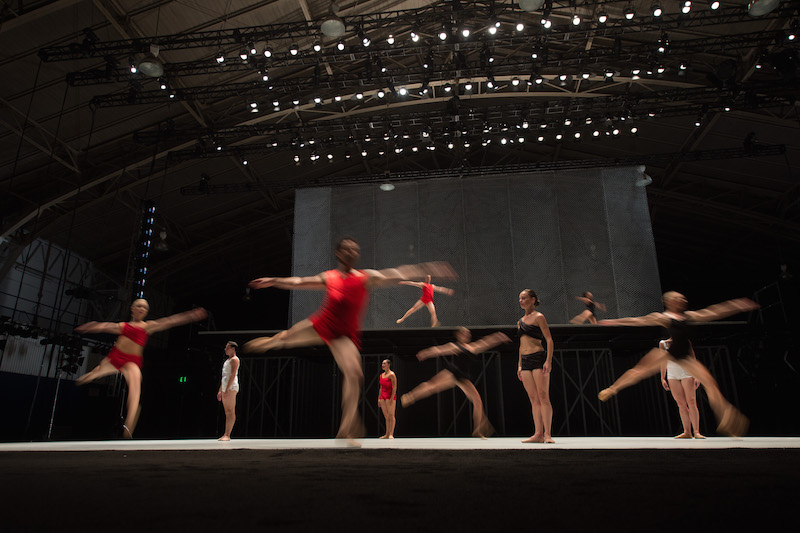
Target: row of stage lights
403 143
144 245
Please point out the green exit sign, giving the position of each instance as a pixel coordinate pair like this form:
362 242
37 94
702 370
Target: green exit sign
182 379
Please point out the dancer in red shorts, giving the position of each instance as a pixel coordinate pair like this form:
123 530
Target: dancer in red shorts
126 355
337 323
425 300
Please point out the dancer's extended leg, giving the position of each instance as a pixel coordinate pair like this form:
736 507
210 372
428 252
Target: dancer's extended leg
444 380
581 318
105 368
229 404
347 357
414 308
301 334
543 388
480 424
432 311
647 366
731 421
133 378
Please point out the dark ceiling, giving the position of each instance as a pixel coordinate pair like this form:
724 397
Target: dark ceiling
710 94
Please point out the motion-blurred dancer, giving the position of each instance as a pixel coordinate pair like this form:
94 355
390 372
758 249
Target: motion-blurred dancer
229 387
126 355
337 323
589 313
458 373
387 397
426 300
683 387
679 324
534 365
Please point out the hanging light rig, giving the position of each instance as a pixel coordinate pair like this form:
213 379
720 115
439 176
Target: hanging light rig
141 252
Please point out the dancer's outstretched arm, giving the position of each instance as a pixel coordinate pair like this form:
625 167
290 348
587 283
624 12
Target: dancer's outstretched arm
653 319
392 276
488 342
294 282
113 328
175 320
417 284
583 299
437 351
722 310
443 290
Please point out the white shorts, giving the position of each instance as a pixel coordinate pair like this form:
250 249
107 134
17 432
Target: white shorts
675 371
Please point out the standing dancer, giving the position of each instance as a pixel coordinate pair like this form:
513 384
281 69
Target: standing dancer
337 323
126 355
229 387
387 397
535 363
458 372
679 323
683 387
589 313
425 300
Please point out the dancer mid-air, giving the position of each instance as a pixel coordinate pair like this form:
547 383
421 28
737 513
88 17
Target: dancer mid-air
678 322
458 373
126 355
589 313
337 323
426 300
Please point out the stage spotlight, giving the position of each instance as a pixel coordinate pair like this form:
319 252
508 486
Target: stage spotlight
656 9
602 17
540 138
243 54
340 46
220 57
333 25
714 4
267 53
414 36
403 91
465 32
162 83
317 47
515 81
468 86
687 6
294 49
443 34
390 39
520 27
317 100
630 12
447 88
381 93
577 135
576 20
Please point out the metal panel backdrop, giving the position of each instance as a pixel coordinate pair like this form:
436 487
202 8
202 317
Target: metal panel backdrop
559 233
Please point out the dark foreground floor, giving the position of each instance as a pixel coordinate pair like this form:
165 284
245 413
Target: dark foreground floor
400 490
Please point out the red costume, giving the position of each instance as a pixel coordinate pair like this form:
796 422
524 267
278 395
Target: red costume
344 304
119 358
386 389
427 293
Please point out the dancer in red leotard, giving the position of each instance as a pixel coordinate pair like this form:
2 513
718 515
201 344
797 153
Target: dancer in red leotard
337 323
387 397
126 355
426 300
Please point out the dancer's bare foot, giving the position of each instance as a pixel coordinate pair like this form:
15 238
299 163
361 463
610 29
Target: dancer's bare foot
392 436
399 320
407 399
84 379
683 435
606 394
549 440
260 344
535 438
126 433
699 436
224 438
384 437
436 324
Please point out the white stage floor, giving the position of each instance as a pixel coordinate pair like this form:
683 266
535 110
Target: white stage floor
504 443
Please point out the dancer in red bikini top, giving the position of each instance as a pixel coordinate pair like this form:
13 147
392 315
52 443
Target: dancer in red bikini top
426 300
126 355
338 321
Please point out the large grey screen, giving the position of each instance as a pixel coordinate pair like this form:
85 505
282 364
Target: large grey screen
559 233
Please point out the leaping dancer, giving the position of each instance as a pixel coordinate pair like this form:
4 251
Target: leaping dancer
679 323
126 355
458 373
426 300
589 314
337 323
